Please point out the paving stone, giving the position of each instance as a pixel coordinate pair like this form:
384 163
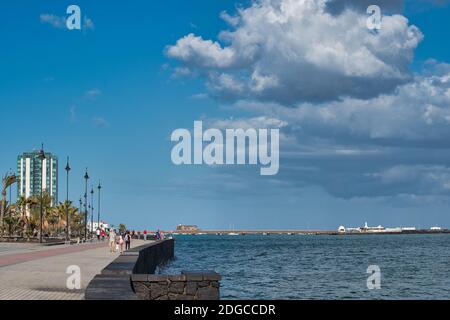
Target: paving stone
40 274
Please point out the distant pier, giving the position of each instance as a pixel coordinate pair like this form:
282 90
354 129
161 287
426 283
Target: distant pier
299 232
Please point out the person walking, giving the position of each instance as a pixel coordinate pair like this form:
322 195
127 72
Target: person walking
145 235
112 241
127 241
98 234
121 243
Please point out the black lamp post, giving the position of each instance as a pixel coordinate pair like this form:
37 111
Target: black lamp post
86 178
98 212
10 194
42 158
81 208
67 201
92 210
90 224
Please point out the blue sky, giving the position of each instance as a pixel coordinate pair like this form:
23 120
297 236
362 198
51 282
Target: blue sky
361 142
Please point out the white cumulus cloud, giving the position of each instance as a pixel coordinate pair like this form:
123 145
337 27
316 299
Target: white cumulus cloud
290 51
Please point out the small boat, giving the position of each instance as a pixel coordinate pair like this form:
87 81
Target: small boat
233 234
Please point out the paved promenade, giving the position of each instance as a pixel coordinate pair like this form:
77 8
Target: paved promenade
33 272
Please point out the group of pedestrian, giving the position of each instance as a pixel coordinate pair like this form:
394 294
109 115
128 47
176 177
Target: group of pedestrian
117 241
101 234
120 242
159 235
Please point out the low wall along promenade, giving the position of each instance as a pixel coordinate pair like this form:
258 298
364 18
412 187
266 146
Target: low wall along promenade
187 286
131 277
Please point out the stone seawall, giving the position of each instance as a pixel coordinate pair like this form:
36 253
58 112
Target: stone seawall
152 257
131 277
187 286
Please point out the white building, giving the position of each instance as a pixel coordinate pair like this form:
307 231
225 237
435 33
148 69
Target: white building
95 225
366 228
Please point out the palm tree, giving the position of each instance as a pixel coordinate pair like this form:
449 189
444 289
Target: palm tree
22 207
35 207
58 214
76 222
33 216
12 219
73 212
7 181
24 218
122 228
53 219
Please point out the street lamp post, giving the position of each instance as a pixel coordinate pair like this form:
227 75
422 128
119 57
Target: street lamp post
86 178
10 193
98 212
67 201
42 158
92 210
90 224
81 208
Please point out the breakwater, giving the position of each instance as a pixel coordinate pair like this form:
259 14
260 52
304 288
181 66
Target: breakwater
301 232
131 277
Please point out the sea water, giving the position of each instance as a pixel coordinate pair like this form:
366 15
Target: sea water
320 266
